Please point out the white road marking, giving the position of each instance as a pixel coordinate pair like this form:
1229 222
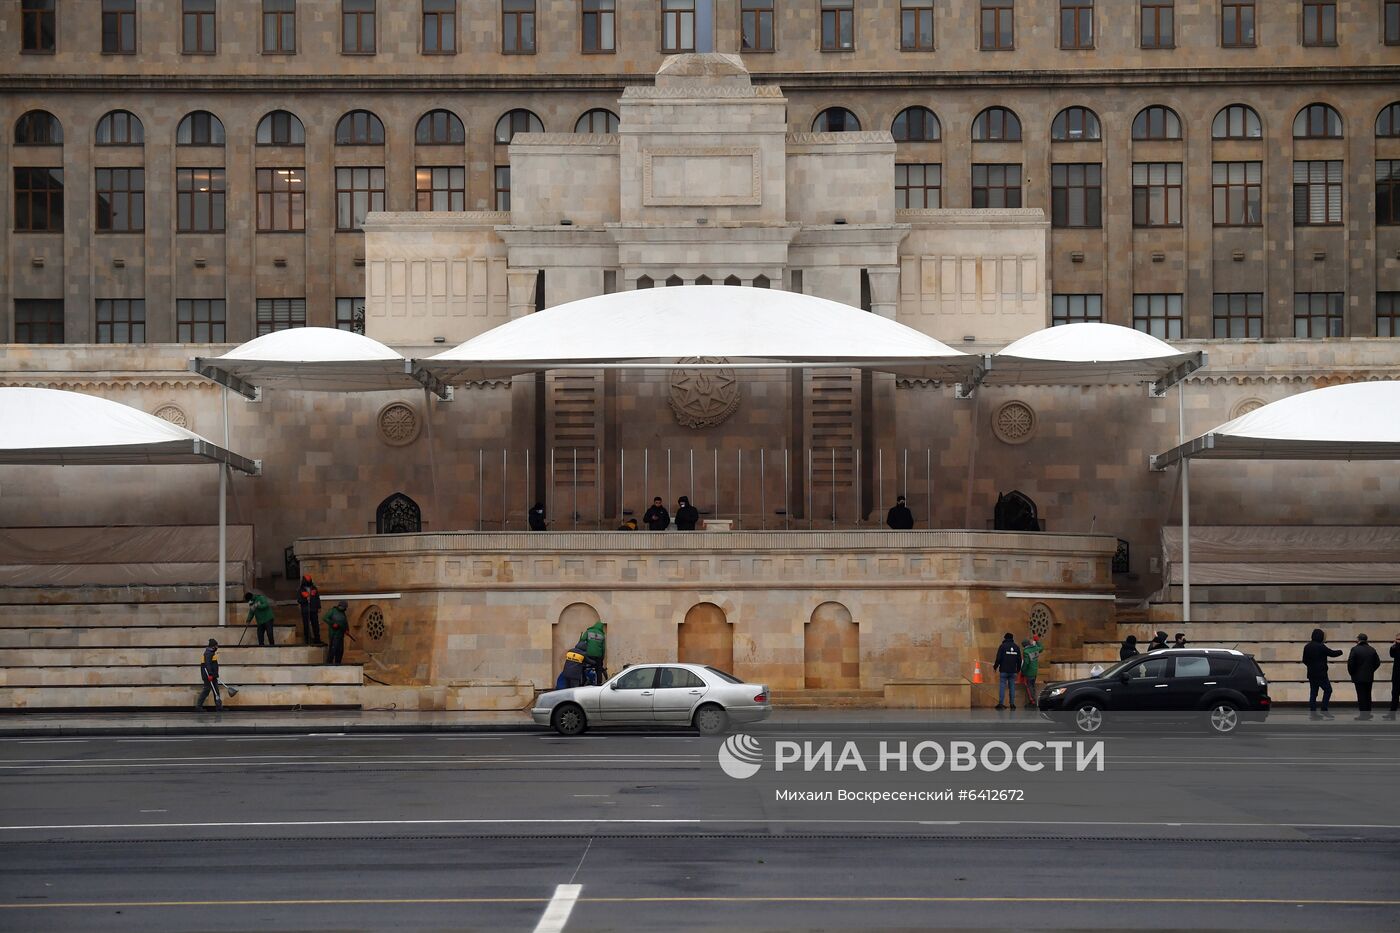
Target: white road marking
51 741
556 914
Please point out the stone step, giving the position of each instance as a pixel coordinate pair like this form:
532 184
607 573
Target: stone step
1225 634
115 595
827 699
120 614
116 657
189 637
1317 613
343 696
169 675
1279 593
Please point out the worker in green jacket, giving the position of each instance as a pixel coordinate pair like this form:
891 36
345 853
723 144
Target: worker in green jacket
1030 665
259 608
336 626
595 639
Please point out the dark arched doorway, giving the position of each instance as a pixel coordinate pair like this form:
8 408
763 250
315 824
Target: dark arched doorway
398 515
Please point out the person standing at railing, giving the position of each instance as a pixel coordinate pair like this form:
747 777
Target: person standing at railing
899 517
657 518
687 515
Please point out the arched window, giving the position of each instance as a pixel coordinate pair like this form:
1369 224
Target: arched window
1236 121
996 124
517 121
1388 120
359 128
1075 124
733 280
916 125
398 515
1317 121
439 127
760 281
1156 122
703 280
120 128
675 280
644 281
281 128
836 120
200 128
597 121
38 128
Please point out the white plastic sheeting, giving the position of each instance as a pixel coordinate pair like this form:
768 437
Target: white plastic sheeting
318 359
641 328
1090 354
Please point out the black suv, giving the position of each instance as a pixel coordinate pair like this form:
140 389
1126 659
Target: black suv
1220 685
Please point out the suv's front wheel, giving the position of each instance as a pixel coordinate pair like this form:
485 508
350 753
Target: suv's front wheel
1223 718
1088 716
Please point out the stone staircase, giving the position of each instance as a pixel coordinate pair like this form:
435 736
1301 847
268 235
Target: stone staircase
141 650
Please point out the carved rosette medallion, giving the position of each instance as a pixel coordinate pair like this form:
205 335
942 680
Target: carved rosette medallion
1014 422
704 398
174 414
398 424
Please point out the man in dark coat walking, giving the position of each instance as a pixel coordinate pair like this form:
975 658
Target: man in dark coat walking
1008 663
899 517
687 515
309 599
1362 664
1315 655
656 517
209 674
1394 678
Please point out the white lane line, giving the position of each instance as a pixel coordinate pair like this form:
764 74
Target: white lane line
52 741
143 741
556 914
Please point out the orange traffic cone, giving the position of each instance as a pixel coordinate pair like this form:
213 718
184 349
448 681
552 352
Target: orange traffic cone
977 672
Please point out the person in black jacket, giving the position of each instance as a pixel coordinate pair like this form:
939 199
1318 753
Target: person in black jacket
1394 678
1129 648
1008 663
1362 664
899 517
209 674
656 517
309 599
537 521
1159 641
687 515
1315 655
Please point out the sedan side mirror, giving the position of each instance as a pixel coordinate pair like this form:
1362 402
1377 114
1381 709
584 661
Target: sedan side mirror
613 685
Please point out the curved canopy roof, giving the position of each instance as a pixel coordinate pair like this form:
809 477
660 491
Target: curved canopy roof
1091 354
59 428
646 327
1356 421
316 359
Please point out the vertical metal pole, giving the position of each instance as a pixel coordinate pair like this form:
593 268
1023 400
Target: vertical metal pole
904 486
787 492
598 484
528 504
833 487
646 476
858 508
739 513
621 484
505 487
1185 505
928 483
763 488
810 517
880 471
669 498
575 516
549 485
480 488
692 476
714 508
223 525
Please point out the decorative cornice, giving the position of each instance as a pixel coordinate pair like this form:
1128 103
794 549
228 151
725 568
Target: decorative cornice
699 90
827 139
532 140
79 380
394 221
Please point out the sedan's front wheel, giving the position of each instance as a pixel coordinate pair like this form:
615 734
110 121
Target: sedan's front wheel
711 720
568 719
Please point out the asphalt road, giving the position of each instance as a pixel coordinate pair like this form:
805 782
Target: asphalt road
1268 830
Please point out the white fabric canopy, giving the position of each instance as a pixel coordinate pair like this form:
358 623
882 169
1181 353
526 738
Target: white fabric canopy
1357 421
1090 354
641 328
318 359
59 428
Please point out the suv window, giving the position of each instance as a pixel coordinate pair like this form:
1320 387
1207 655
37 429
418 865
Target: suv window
1223 666
678 677
1192 666
640 679
1150 669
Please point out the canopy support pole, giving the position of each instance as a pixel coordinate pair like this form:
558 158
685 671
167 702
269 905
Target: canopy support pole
223 523
1185 507
432 457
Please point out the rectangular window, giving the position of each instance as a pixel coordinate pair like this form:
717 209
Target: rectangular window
755 25
281 200
38 26
1076 309
201 320
199 197
441 188
503 187
1319 22
38 320
1388 314
1392 22
39 200
838 25
199 27
1237 193
357 27
276 314
279 26
439 27
1076 195
998 25
1076 24
518 26
996 186
121 320
119 27
1157 22
1238 314
1387 192
1158 315
1317 193
1156 194
1318 314
678 25
1237 24
918 185
916 25
121 200
350 314
358 191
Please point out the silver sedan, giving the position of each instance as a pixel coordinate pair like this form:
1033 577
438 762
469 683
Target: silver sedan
645 694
